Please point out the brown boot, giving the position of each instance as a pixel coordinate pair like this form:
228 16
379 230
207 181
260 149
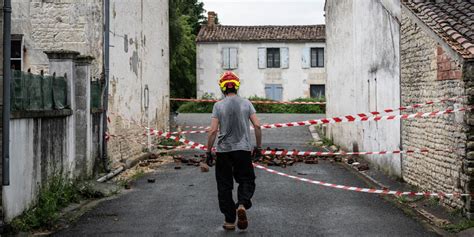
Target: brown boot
228 226
242 221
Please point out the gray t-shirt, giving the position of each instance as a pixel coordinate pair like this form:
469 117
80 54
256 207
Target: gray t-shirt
233 114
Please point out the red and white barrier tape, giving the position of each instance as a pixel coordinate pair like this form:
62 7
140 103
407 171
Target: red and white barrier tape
194 145
350 119
362 190
343 187
253 101
345 119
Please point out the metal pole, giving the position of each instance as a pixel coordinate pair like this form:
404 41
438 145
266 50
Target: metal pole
7 74
106 78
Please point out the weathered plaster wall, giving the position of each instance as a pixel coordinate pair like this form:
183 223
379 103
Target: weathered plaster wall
364 74
429 72
295 80
139 58
39 149
53 25
42 147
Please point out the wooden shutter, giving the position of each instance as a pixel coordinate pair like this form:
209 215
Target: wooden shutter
268 92
306 58
225 58
285 57
262 58
278 93
233 58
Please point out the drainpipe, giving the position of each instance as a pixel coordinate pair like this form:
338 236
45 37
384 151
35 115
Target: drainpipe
106 84
7 74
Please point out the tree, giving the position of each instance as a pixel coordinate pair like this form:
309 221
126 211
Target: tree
186 17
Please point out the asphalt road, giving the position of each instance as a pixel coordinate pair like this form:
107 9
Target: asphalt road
184 202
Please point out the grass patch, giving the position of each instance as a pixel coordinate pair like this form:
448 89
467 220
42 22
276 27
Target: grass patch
57 194
463 225
327 142
204 107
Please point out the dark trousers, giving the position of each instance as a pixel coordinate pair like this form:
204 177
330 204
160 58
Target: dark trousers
229 166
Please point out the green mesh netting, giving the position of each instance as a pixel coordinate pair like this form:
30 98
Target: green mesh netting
59 92
96 95
31 92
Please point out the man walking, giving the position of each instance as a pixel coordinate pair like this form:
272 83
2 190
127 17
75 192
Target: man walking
231 124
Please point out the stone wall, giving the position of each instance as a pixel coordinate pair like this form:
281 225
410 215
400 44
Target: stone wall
468 163
429 72
58 25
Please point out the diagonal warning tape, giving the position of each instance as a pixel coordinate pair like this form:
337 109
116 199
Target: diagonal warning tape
363 190
198 146
375 113
345 119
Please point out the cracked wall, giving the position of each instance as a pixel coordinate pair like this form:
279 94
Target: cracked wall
139 59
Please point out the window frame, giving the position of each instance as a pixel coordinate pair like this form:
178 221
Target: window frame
275 53
317 85
17 38
315 57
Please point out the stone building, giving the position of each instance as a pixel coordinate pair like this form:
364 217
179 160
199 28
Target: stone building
276 62
55 25
139 58
437 61
362 38
49 36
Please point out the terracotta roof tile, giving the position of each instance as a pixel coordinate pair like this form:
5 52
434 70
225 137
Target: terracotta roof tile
225 33
452 20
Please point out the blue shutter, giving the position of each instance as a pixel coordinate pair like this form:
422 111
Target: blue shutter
285 57
268 92
262 58
278 94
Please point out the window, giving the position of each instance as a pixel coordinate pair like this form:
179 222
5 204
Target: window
317 57
273 57
317 91
16 52
229 58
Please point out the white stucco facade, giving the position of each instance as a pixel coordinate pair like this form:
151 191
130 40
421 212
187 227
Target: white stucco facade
139 72
295 79
363 42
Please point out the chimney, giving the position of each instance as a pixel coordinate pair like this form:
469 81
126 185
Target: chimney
211 19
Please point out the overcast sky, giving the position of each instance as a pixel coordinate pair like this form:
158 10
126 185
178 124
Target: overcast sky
267 12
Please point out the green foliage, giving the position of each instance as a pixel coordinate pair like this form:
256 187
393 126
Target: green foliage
186 17
458 227
167 142
203 107
57 194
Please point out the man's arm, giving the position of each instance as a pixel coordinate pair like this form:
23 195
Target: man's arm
258 130
212 134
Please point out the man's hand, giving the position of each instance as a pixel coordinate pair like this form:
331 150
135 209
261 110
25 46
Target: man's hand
209 159
256 154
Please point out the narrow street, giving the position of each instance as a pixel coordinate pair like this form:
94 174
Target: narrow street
184 202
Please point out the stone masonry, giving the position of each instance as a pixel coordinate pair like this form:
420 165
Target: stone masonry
58 25
428 72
